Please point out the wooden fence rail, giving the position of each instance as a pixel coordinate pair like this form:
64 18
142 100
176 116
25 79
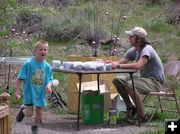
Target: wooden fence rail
5 127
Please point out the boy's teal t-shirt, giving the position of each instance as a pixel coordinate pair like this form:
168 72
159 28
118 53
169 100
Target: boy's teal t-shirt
35 76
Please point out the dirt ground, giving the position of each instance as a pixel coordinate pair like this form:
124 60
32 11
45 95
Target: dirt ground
62 124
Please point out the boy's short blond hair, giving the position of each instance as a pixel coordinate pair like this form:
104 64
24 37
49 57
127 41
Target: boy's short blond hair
42 42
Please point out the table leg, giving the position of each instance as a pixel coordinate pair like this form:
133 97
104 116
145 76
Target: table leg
98 83
79 96
131 76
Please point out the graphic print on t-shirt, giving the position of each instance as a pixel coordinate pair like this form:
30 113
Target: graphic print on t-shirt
37 78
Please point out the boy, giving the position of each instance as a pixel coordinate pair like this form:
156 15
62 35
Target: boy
36 75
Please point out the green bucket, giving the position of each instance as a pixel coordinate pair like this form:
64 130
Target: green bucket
92 109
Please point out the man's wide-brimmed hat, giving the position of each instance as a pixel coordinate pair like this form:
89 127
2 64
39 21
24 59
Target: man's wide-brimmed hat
139 31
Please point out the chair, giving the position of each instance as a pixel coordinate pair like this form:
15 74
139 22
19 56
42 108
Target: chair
167 93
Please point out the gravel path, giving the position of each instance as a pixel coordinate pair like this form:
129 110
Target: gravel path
66 124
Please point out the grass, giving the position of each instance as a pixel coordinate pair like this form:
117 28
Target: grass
14 101
159 122
78 19
159 131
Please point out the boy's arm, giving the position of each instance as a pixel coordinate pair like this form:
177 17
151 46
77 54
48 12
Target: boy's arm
50 82
18 85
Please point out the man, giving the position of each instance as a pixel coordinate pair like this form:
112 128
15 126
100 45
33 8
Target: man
147 62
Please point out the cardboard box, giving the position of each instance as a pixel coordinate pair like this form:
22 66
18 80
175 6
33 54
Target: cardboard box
104 90
118 103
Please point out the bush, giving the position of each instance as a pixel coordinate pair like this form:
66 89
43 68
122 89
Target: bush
151 2
173 14
75 22
158 25
62 28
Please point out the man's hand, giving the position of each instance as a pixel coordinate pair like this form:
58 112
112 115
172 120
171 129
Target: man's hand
114 63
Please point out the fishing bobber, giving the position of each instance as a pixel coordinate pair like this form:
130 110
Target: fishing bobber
115 50
13 30
124 17
107 13
93 43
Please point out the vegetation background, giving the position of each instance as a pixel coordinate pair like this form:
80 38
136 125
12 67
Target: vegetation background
71 27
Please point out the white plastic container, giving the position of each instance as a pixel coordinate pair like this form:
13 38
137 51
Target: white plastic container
108 66
56 63
68 65
101 66
112 116
78 65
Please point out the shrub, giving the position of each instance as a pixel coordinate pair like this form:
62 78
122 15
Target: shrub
151 2
74 22
173 14
158 25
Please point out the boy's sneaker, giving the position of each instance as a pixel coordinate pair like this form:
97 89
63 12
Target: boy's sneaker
34 129
20 114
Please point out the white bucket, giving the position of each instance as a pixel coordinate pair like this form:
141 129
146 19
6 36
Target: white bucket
112 116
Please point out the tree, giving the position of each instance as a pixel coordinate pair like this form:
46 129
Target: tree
7 11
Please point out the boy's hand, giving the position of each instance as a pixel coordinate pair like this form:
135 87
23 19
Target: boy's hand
18 94
49 89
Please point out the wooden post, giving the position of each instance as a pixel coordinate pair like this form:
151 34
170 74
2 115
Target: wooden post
5 127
